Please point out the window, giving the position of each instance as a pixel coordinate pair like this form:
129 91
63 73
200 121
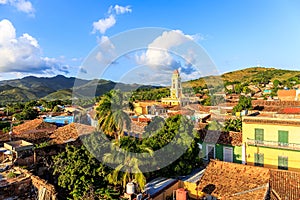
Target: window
259 159
283 138
283 162
210 152
259 135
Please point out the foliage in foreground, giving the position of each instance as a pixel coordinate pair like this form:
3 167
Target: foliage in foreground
81 174
84 177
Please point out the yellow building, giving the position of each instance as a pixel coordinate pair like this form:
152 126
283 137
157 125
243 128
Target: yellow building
272 141
176 96
142 107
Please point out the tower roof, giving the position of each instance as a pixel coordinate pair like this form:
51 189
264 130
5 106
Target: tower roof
176 71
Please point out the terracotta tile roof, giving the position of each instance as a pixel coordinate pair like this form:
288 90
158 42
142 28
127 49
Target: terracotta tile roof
234 181
70 131
285 185
176 71
276 103
138 127
286 93
231 138
291 110
36 125
256 193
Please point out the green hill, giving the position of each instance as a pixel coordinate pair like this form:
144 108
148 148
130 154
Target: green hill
249 75
61 87
15 94
59 95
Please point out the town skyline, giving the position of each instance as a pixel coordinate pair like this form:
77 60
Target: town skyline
234 35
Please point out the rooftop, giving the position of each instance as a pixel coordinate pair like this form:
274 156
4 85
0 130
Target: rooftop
273 119
36 125
70 132
286 92
285 185
234 181
158 185
229 138
18 145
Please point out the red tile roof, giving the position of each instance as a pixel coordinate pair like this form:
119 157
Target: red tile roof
285 185
176 71
231 138
286 95
291 110
70 131
234 181
32 126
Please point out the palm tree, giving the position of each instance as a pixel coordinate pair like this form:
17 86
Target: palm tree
127 172
110 114
127 167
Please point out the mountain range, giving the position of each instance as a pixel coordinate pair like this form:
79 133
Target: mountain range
61 87
58 87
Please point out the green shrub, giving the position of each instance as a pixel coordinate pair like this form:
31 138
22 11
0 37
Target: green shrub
11 174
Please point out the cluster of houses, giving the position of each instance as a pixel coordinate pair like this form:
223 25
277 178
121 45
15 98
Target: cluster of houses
259 162
31 144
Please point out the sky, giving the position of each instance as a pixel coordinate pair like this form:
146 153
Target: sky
91 39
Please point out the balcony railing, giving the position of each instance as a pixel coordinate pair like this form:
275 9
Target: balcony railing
273 144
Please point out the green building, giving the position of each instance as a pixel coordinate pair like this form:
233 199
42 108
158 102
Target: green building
224 146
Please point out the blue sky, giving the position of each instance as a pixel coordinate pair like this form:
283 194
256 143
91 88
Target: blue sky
49 37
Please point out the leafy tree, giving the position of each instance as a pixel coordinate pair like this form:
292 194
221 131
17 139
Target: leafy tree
142 94
155 125
179 130
30 104
27 114
244 103
276 83
214 100
56 109
233 125
214 126
79 172
238 88
6 129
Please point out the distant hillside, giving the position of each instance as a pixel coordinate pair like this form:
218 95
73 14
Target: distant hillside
61 87
58 87
14 94
42 86
254 74
64 94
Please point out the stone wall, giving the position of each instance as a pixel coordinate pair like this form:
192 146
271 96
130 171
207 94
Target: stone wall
16 187
45 190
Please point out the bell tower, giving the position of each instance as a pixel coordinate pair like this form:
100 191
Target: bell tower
176 90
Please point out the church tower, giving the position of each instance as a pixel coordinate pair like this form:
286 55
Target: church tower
176 89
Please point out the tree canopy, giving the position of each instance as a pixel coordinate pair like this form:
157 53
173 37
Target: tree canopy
244 103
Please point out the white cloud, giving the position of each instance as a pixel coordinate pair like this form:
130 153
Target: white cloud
157 53
3 1
120 9
21 5
23 54
106 51
105 23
